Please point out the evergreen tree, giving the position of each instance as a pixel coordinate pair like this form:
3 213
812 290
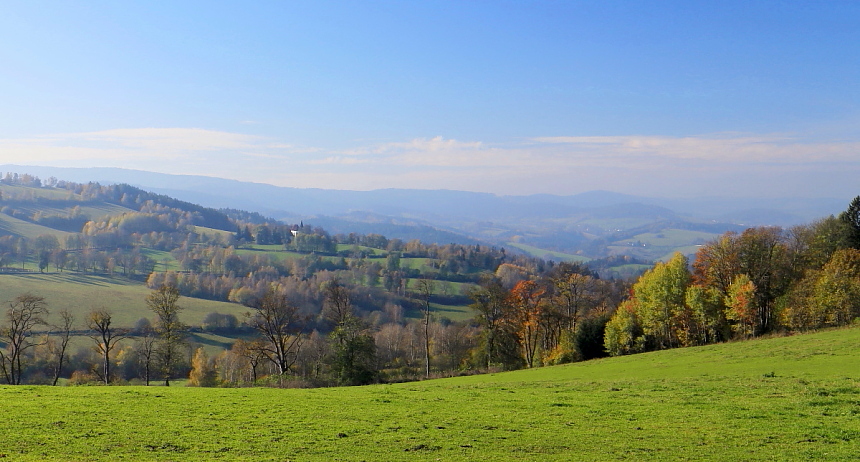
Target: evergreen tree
851 217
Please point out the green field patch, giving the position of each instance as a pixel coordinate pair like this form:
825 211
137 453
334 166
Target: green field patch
662 245
164 261
670 238
791 398
15 227
215 232
360 248
547 254
81 292
452 312
275 251
458 312
34 193
421 264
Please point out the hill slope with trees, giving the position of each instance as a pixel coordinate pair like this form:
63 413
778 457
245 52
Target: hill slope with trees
293 304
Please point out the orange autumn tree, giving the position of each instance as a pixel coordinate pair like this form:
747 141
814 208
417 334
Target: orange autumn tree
528 302
742 308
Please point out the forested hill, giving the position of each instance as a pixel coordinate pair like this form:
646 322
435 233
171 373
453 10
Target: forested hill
414 308
584 226
58 202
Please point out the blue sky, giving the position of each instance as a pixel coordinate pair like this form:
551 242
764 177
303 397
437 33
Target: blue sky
511 97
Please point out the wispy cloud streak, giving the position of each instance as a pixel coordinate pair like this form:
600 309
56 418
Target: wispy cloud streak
657 165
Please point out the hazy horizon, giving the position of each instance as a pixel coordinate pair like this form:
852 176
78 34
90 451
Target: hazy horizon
674 99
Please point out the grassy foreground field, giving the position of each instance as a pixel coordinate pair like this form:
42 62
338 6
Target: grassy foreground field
794 398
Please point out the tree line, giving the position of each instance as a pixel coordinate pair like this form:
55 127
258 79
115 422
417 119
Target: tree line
743 285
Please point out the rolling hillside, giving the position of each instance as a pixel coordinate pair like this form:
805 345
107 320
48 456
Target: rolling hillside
587 224
792 398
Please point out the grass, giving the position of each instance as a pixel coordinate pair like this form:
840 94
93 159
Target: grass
663 245
671 238
362 248
451 312
547 254
164 261
275 251
420 263
793 398
214 232
16 227
81 292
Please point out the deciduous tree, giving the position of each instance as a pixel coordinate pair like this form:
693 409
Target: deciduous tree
837 290
528 303
163 301
623 333
25 312
493 308
106 338
660 296
202 372
59 349
278 321
742 306
424 289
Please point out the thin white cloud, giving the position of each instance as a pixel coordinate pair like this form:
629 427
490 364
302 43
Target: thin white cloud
724 148
644 164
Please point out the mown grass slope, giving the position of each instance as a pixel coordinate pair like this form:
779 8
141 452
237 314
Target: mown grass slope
793 398
81 292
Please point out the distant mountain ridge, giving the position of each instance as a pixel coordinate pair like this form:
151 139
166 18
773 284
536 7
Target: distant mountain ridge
560 222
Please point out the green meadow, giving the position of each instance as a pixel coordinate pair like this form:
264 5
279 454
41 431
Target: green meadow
548 254
662 245
81 292
16 227
789 398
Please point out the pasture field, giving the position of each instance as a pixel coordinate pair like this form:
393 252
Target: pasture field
216 232
791 398
17 227
164 261
81 292
672 238
547 254
46 193
663 245
419 263
361 248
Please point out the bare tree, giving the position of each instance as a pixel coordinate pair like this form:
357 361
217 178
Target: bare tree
248 355
105 337
424 292
146 352
279 322
25 312
59 350
337 306
574 291
170 331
